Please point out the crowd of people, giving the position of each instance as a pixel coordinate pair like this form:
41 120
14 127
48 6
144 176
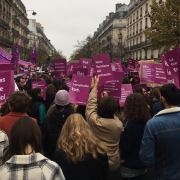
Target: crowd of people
53 139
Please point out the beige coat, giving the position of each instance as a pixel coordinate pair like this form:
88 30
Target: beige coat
108 131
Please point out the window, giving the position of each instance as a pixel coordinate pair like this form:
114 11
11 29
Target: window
137 27
136 40
146 7
130 43
128 32
133 29
136 55
120 41
131 19
145 38
120 22
120 31
133 42
141 25
152 52
137 14
141 11
140 54
160 51
128 20
140 39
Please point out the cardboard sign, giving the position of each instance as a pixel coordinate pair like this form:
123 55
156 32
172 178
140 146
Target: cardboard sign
80 71
152 72
85 63
103 69
40 84
92 72
136 65
136 80
114 89
131 65
118 66
71 66
126 90
68 83
79 91
135 74
59 67
7 84
173 61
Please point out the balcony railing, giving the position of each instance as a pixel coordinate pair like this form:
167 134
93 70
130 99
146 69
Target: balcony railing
160 1
120 34
152 56
24 27
15 32
5 41
9 1
4 24
145 43
120 25
16 20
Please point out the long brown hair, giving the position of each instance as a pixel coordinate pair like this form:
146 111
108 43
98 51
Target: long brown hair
136 108
24 132
77 140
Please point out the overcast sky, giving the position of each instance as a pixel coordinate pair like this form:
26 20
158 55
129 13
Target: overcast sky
66 21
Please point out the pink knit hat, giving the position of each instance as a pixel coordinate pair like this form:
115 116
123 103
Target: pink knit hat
62 98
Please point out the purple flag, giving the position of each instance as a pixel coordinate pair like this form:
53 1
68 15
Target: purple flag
15 56
34 54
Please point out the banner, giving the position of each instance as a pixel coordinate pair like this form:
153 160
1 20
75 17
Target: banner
59 67
152 72
40 84
71 66
7 84
85 63
131 65
103 69
80 71
80 88
126 90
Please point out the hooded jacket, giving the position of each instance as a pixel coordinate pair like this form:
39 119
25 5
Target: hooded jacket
51 129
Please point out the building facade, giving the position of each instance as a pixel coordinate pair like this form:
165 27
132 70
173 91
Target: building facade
137 20
13 26
111 34
37 35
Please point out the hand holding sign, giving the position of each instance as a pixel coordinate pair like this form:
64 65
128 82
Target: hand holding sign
96 81
104 94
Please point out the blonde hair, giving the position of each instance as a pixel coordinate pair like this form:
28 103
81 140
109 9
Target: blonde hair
77 140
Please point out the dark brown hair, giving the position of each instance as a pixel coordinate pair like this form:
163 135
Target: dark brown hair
107 106
36 91
138 90
24 132
77 140
18 79
50 90
136 108
19 101
125 80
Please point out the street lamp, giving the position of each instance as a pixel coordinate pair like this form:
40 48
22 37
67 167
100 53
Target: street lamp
34 13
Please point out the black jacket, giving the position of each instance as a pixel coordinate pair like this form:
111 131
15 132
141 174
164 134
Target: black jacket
130 143
33 110
90 169
49 101
51 129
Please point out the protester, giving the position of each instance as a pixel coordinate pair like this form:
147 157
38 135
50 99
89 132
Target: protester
79 109
24 159
20 82
125 80
4 143
160 143
50 96
65 87
57 83
140 90
137 114
18 104
54 122
80 154
106 126
36 108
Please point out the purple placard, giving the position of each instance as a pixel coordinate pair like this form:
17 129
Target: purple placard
80 88
113 67
143 86
59 67
114 89
68 83
137 65
126 90
80 71
118 66
131 65
153 73
85 63
71 66
103 69
136 80
135 74
173 60
92 72
40 84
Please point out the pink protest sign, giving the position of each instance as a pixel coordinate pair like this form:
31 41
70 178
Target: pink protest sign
152 73
92 72
173 60
7 85
103 69
136 80
143 86
68 83
80 88
118 66
168 73
137 65
71 66
135 74
59 67
126 90
114 89
80 71
85 63
131 65
40 84
113 66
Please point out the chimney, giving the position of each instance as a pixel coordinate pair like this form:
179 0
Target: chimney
111 15
117 6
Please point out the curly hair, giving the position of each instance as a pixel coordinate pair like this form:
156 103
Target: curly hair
136 108
77 140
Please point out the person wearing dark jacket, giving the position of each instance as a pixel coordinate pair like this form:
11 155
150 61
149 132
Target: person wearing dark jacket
53 123
36 108
137 114
80 154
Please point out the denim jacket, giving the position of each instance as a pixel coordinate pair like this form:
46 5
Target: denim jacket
161 144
